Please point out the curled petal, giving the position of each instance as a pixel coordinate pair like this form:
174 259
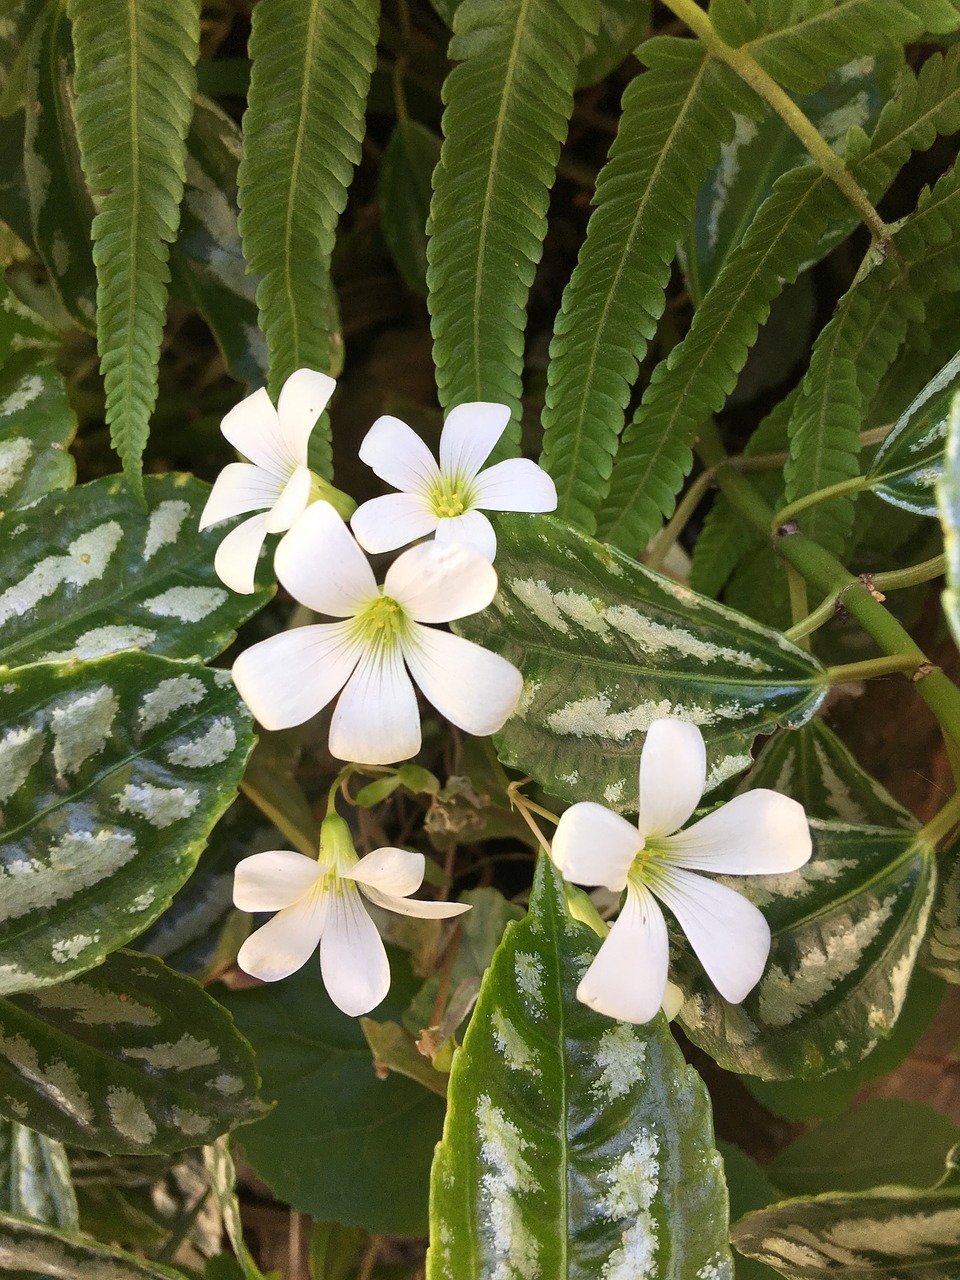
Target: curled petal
515 485
729 935
469 436
291 502
239 487
594 846
253 428
303 398
285 944
758 833
383 524
673 772
390 870
628 976
273 880
236 559
413 906
475 689
397 454
438 583
353 961
377 720
287 679
473 529
321 565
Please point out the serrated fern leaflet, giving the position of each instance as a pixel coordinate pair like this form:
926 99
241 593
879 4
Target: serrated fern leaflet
134 84
507 107
312 62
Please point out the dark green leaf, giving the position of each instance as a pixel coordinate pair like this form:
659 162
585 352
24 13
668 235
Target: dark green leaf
27 1246
411 156
35 1178
130 1058
112 774
606 646
134 85
574 1146
37 425
88 572
623 24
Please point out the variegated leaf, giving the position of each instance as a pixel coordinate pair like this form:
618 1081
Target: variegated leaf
132 1058
112 774
941 952
948 500
88 572
223 1184
846 928
27 1247
37 424
22 329
607 646
35 1177
574 1146
909 464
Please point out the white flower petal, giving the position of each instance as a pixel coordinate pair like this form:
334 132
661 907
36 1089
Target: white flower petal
473 529
398 871
414 907
285 944
302 399
469 436
673 772
475 689
436 582
729 935
273 880
239 487
321 565
628 977
291 502
236 557
515 485
398 455
353 961
758 833
383 524
253 428
287 679
377 720
594 846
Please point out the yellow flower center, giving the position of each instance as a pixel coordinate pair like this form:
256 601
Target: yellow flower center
382 623
451 497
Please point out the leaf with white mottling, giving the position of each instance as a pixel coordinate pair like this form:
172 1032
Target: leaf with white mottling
22 329
132 1058
29 1247
948 501
37 424
88 572
574 1146
223 1184
35 1177
112 775
941 954
846 929
606 647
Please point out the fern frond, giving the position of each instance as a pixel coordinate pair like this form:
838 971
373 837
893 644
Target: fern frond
507 108
134 85
675 117
312 62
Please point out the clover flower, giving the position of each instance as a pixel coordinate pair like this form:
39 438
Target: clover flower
757 833
319 901
448 499
379 635
276 480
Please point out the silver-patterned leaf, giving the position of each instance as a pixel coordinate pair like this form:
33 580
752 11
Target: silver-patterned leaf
35 1177
132 1058
606 646
223 1183
88 572
28 1247
22 329
112 775
37 425
846 928
941 953
948 500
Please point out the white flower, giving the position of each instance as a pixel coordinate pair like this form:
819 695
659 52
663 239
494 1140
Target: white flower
757 833
319 901
276 481
449 499
380 633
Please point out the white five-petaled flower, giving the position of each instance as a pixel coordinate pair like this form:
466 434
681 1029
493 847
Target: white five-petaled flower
757 833
448 499
380 633
276 481
319 901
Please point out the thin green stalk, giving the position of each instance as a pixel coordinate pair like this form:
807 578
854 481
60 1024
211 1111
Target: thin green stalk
854 485
912 576
799 608
751 72
941 824
674 527
889 664
817 618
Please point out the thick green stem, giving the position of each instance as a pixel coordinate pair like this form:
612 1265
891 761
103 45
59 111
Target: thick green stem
751 72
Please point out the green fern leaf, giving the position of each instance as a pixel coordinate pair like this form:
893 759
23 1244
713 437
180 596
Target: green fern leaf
507 107
134 86
312 62
675 118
